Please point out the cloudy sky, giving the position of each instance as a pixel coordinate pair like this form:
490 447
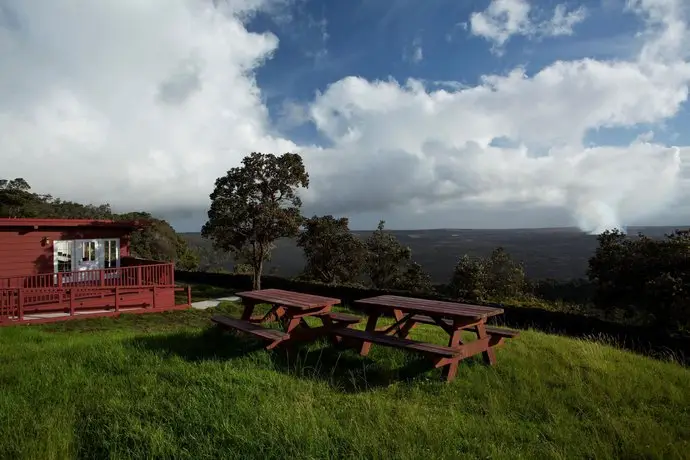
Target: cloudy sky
426 113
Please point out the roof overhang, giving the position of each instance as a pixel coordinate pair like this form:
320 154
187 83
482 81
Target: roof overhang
68 223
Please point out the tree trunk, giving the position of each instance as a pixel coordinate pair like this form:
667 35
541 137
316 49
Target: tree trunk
257 269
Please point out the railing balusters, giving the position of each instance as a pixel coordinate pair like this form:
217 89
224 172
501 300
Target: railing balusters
22 292
20 304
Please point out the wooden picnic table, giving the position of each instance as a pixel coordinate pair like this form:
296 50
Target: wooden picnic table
452 317
289 309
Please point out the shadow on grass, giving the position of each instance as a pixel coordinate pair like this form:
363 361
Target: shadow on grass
211 344
345 370
339 366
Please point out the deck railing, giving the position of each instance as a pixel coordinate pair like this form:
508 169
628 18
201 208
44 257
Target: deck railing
14 301
161 274
134 276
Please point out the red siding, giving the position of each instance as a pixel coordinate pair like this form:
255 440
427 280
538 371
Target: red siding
23 254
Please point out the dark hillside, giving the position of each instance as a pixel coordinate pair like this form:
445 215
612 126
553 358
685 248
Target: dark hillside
560 253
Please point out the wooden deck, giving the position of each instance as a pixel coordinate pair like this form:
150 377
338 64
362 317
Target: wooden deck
109 292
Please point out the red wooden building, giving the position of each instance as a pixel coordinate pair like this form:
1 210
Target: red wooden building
56 269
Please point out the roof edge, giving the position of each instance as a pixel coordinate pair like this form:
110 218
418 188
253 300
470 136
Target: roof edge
42 222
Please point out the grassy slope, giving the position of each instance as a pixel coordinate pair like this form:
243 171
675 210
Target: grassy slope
167 386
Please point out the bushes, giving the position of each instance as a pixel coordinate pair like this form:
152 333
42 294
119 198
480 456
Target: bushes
497 277
644 279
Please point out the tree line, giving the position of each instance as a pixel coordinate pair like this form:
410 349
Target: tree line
638 278
156 240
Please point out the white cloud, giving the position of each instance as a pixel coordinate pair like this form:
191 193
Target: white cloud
503 19
434 148
415 53
146 103
144 99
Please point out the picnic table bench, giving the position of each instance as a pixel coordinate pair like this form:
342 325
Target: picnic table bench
452 317
290 310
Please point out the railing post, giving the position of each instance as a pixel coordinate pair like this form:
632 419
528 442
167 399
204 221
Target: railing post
138 280
20 304
189 295
71 301
102 274
117 298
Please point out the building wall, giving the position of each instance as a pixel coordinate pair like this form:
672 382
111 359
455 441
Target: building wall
22 252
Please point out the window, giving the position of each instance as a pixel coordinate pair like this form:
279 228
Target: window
88 253
111 253
63 256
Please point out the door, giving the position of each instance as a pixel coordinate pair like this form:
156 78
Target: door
86 255
78 256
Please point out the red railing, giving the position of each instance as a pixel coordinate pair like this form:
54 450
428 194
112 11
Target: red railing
14 301
161 274
138 275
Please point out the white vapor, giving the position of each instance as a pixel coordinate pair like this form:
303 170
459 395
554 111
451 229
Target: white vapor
143 104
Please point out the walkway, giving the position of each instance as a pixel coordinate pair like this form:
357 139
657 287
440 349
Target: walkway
204 304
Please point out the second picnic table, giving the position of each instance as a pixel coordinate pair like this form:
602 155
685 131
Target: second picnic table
290 310
452 317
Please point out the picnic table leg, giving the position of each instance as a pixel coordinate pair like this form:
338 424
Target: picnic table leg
248 310
489 355
292 323
371 327
404 331
454 342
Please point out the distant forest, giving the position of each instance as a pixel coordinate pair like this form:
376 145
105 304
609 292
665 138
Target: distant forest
556 253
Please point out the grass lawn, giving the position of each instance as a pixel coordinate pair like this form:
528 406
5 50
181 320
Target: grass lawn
169 386
203 292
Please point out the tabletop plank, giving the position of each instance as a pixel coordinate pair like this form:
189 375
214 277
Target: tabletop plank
431 307
288 298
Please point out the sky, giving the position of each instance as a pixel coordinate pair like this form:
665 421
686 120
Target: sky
424 113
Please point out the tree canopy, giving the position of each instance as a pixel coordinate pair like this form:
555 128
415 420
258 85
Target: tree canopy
255 204
157 240
644 277
478 278
389 264
333 254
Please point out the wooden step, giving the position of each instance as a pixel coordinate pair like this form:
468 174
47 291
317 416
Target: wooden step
397 342
250 328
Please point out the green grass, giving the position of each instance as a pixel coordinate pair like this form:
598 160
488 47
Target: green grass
168 386
203 292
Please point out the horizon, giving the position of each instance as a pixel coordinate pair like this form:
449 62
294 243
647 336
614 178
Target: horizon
572 228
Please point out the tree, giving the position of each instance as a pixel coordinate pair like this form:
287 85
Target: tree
157 240
498 277
242 260
333 254
646 279
388 263
415 279
469 280
255 204
505 278
17 200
